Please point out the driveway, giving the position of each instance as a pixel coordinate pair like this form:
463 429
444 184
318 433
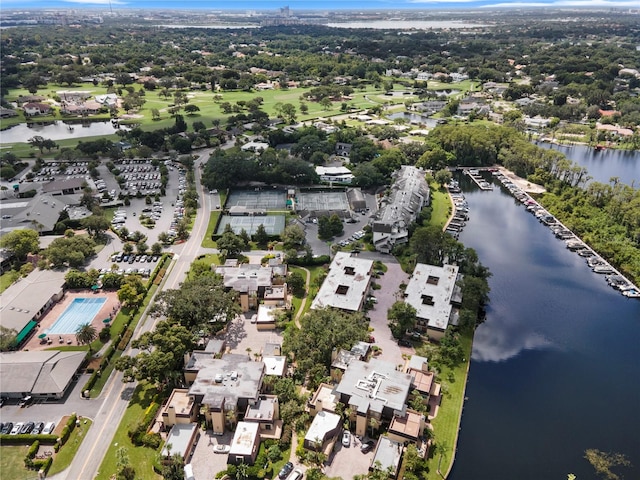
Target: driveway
241 335
204 461
347 462
387 296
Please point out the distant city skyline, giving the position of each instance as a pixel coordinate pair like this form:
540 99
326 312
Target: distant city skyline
324 5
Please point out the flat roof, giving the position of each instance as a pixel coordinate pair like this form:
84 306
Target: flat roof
375 385
429 291
274 364
346 283
23 300
263 409
246 384
407 425
327 398
323 423
180 437
388 454
244 438
181 402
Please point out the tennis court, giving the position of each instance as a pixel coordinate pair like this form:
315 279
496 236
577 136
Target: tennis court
81 310
273 224
257 199
322 201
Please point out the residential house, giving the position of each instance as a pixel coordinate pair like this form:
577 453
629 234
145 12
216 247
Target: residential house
36 108
340 359
346 284
266 413
256 284
409 195
374 391
344 149
180 408
224 386
334 174
387 456
183 439
323 430
245 444
436 296
323 399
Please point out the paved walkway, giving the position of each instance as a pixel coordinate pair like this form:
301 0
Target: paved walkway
306 296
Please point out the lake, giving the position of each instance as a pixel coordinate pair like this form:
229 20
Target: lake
56 131
604 164
402 24
555 367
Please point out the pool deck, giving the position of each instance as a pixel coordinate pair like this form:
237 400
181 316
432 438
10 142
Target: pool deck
110 306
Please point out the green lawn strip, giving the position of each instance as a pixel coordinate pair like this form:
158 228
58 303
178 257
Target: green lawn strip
207 260
104 377
441 205
12 463
65 455
447 422
7 279
207 241
140 458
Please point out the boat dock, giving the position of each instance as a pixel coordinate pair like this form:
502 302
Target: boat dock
477 178
600 266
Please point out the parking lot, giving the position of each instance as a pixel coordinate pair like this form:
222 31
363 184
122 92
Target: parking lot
347 462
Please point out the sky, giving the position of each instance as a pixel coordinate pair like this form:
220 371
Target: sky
318 4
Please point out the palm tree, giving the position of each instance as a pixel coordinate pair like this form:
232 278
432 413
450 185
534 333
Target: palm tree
85 334
374 424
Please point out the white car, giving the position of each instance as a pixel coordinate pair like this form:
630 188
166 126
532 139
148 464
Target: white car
346 439
16 428
221 448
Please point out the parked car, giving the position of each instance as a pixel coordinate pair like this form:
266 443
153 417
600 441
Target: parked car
367 446
27 427
404 343
38 428
48 428
6 428
16 428
221 448
346 438
296 475
25 401
286 470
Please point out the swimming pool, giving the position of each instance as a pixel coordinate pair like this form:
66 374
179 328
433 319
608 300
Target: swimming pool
81 310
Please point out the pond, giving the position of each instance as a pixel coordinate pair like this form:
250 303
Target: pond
57 131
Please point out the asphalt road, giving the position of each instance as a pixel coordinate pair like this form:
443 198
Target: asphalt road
116 394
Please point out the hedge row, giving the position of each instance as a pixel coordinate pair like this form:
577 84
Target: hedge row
23 439
124 341
310 262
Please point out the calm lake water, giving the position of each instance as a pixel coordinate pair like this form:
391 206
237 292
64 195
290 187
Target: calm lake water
604 164
56 131
415 118
555 366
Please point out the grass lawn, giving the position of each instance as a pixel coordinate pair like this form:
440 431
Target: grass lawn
207 241
7 279
141 458
63 458
205 261
12 463
441 206
446 424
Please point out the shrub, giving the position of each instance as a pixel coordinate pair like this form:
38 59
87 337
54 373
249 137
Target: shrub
26 439
124 341
285 438
152 440
33 449
64 435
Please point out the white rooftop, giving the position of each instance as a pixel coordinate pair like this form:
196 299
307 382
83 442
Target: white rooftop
323 423
346 284
429 292
244 438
